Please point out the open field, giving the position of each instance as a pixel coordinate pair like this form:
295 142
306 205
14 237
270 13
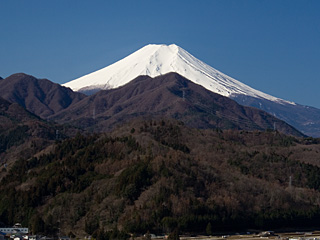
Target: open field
315 235
290 235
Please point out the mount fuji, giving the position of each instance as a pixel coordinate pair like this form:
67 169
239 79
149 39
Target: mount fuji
155 60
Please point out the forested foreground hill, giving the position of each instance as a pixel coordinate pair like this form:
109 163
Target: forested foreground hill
161 175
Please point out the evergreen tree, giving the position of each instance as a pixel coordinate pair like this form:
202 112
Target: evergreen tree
174 235
37 225
209 229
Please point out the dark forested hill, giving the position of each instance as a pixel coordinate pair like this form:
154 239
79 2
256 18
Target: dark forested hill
159 175
39 96
171 96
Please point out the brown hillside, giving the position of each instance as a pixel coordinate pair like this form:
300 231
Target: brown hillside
22 134
172 96
39 96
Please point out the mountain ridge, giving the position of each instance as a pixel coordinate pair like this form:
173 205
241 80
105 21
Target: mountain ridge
51 101
39 96
170 95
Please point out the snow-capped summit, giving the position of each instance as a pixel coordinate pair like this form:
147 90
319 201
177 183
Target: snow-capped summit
154 60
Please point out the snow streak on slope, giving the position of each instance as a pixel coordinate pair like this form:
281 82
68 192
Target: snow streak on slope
154 60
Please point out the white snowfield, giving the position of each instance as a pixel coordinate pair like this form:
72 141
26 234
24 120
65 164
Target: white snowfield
155 60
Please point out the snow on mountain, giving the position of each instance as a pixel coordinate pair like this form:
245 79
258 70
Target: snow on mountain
154 60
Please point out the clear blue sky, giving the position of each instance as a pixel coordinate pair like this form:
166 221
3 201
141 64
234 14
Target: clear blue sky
270 45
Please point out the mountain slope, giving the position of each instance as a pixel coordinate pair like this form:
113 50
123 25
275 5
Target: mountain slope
39 96
304 118
172 96
21 133
154 60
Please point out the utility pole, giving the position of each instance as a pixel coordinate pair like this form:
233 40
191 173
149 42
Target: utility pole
290 182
